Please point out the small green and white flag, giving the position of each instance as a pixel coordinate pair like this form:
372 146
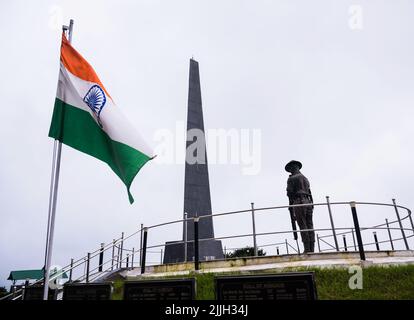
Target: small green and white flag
86 119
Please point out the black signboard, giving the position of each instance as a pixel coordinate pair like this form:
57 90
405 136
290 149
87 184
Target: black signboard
181 289
282 286
87 291
36 293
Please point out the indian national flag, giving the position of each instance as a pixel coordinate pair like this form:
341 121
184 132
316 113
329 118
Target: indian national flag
86 118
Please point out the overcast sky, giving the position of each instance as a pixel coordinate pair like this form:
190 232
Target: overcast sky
324 88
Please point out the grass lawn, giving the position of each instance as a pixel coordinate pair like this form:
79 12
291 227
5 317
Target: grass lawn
388 283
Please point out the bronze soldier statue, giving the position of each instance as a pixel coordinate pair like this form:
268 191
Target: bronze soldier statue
298 191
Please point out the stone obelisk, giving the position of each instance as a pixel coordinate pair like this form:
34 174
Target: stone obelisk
197 200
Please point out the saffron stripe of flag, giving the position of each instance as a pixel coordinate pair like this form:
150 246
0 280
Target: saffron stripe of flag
86 119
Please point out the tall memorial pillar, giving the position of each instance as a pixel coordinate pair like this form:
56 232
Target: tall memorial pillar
197 200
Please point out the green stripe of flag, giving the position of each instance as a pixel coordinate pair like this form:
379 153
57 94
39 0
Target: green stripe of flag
77 129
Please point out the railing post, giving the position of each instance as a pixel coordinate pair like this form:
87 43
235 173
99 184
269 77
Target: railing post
411 219
254 231
185 236
376 241
287 246
71 269
277 250
101 257
196 257
353 239
26 285
319 245
297 245
161 256
84 267
118 255
389 234
127 260
132 258
357 231
13 289
87 267
144 250
140 245
113 254
122 250
332 223
345 246
401 226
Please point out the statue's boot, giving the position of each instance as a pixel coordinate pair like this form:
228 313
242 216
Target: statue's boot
306 247
312 246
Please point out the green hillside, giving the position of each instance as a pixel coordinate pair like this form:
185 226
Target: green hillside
388 283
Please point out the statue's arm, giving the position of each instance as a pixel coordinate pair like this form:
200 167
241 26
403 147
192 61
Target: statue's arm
289 192
292 213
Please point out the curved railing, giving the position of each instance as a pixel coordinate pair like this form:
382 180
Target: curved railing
133 250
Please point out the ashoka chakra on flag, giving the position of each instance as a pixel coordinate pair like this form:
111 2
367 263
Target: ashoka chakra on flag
95 99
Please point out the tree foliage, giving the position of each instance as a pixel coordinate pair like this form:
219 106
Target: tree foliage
3 291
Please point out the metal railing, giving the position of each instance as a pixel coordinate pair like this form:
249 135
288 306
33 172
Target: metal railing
121 257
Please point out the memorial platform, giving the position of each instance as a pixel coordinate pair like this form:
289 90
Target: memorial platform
121 259
277 263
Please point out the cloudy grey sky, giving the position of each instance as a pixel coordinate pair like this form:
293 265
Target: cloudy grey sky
338 98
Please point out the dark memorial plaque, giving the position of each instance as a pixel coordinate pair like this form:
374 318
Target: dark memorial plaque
182 289
90 291
282 286
36 293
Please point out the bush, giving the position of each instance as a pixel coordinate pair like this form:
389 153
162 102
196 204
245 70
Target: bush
244 252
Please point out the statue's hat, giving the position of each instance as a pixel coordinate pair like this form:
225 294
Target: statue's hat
292 163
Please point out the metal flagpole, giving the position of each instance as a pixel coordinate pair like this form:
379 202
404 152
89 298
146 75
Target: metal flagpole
50 203
57 153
